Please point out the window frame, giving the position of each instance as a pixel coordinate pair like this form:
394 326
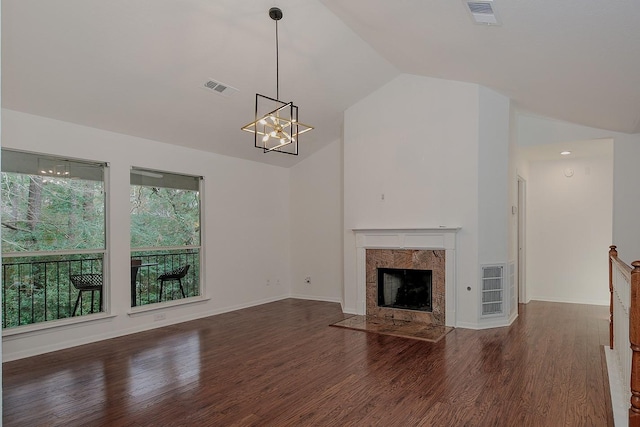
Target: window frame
104 251
200 247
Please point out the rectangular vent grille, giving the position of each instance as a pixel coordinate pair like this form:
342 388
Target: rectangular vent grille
492 290
482 12
481 7
219 88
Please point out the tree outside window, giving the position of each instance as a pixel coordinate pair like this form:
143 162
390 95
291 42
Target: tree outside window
53 229
165 236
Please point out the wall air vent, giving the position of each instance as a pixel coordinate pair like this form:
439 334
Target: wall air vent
219 88
492 281
482 12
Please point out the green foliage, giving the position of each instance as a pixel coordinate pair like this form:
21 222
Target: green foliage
164 217
38 289
158 262
40 214
43 214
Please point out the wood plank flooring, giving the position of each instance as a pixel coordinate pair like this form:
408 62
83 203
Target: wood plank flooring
280 364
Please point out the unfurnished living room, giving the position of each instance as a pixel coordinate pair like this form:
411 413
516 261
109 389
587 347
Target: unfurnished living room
320 213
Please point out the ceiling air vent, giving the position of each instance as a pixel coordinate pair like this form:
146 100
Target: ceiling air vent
219 88
482 12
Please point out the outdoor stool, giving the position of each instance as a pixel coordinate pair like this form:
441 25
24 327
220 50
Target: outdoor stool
176 274
87 282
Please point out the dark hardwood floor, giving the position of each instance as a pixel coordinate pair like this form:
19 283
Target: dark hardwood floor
281 364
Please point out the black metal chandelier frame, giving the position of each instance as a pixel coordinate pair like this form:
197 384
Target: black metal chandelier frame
276 126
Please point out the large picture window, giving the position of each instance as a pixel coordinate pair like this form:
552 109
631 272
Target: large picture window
165 236
53 238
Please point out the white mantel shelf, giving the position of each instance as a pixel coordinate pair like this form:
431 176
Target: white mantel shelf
436 238
406 238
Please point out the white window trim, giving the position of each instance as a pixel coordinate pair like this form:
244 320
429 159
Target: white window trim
106 291
142 309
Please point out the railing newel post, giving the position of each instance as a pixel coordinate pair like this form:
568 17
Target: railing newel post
634 339
612 253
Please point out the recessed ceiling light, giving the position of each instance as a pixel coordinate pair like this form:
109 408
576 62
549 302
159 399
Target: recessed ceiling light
565 153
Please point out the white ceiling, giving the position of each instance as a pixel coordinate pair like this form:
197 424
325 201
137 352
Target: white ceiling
137 66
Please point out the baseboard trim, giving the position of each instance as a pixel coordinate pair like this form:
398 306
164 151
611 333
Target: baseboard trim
316 298
567 301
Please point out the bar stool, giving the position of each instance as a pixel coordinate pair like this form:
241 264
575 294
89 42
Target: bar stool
175 274
87 282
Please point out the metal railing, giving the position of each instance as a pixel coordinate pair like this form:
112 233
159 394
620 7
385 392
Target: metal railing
146 289
37 289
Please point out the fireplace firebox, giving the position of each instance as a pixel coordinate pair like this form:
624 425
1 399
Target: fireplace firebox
405 289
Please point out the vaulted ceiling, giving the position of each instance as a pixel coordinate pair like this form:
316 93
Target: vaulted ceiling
138 67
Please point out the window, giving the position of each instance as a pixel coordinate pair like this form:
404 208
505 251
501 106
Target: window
53 238
165 236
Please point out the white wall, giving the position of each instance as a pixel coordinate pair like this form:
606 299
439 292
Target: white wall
569 227
493 191
417 140
626 201
246 232
316 224
493 177
626 173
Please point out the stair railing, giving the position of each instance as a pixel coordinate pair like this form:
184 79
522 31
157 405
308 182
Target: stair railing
624 321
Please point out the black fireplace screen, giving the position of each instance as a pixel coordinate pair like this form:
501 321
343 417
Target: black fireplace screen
405 289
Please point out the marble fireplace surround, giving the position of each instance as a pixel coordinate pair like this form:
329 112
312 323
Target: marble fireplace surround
413 259
436 239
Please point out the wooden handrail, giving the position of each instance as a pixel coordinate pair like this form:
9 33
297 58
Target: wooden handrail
632 275
622 266
626 272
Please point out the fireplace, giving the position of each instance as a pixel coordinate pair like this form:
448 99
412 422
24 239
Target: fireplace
404 288
408 248
420 266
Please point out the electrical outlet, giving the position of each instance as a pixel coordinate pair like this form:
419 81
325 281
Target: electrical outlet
268 282
307 280
159 316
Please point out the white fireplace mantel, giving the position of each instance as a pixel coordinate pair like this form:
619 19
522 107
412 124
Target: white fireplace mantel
408 238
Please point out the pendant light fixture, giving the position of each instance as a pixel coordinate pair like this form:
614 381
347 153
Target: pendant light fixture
276 126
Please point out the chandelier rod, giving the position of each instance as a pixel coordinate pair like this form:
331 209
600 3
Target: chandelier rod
277 64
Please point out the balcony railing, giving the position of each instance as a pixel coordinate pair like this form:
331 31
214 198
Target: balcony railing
153 264
38 289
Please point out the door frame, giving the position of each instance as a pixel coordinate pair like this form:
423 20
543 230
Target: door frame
521 240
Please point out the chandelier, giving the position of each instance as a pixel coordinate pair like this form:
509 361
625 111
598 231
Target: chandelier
276 126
